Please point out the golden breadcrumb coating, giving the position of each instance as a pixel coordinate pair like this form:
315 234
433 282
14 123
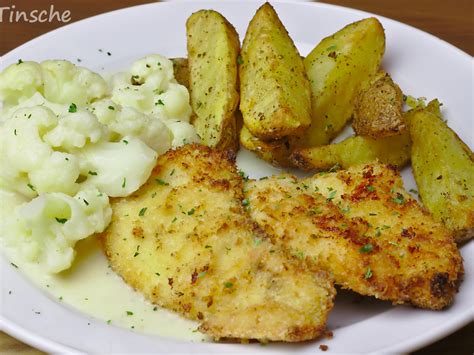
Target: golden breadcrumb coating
186 241
363 227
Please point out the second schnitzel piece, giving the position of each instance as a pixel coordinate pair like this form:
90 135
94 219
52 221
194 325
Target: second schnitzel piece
363 227
185 241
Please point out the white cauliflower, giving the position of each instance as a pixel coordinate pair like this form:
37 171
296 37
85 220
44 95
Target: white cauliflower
59 81
48 227
183 133
65 83
126 121
117 168
20 81
150 88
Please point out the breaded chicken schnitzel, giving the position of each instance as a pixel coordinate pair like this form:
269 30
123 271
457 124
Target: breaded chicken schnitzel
364 228
185 241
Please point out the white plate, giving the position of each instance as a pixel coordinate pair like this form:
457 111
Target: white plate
423 66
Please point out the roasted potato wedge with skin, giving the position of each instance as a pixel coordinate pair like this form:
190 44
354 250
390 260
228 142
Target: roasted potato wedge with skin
336 69
378 111
275 152
181 71
443 166
213 48
275 93
393 150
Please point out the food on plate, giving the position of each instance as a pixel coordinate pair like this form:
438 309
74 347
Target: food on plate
275 93
275 152
181 71
443 166
213 47
185 240
63 137
365 229
378 110
393 150
337 68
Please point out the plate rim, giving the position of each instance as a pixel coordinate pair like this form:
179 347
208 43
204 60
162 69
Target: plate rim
455 323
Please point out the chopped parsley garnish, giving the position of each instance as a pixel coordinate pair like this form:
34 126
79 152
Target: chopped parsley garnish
155 308
92 173
159 102
142 211
124 182
174 220
61 220
85 201
240 60
228 284
19 62
243 175
172 172
125 141
31 187
202 274
72 107
399 199
300 255
331 195
245 202
366 248
14 131
370 188
109 321
331 48
136 252
14 265
368 273
208 247
157 274
257 241
129 313
413 191
191 211
345 209
161 182
111 108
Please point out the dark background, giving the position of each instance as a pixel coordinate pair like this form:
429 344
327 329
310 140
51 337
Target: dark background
452 21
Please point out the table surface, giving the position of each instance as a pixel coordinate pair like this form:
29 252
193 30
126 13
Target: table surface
448 20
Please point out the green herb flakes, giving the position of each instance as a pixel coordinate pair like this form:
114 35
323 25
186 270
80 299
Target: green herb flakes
366 248
61 220
72 108
368 273
142 211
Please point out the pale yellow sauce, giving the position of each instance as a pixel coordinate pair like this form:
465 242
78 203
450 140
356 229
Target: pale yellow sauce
90 286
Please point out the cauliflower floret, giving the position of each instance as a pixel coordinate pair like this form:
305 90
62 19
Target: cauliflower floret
150 88
173 103
74 130
19 82
36 100
33 166
126 121
183 133
119 168
48 227
65 83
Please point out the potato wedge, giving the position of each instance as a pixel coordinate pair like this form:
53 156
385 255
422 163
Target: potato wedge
336 69
181 71
275 152
378 109
443 166
393 150
275 93
213 48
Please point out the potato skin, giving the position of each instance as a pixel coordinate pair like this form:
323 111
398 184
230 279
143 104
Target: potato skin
213 48
181 71
336 68
275 92
393 150
275 152
443 166
378 109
